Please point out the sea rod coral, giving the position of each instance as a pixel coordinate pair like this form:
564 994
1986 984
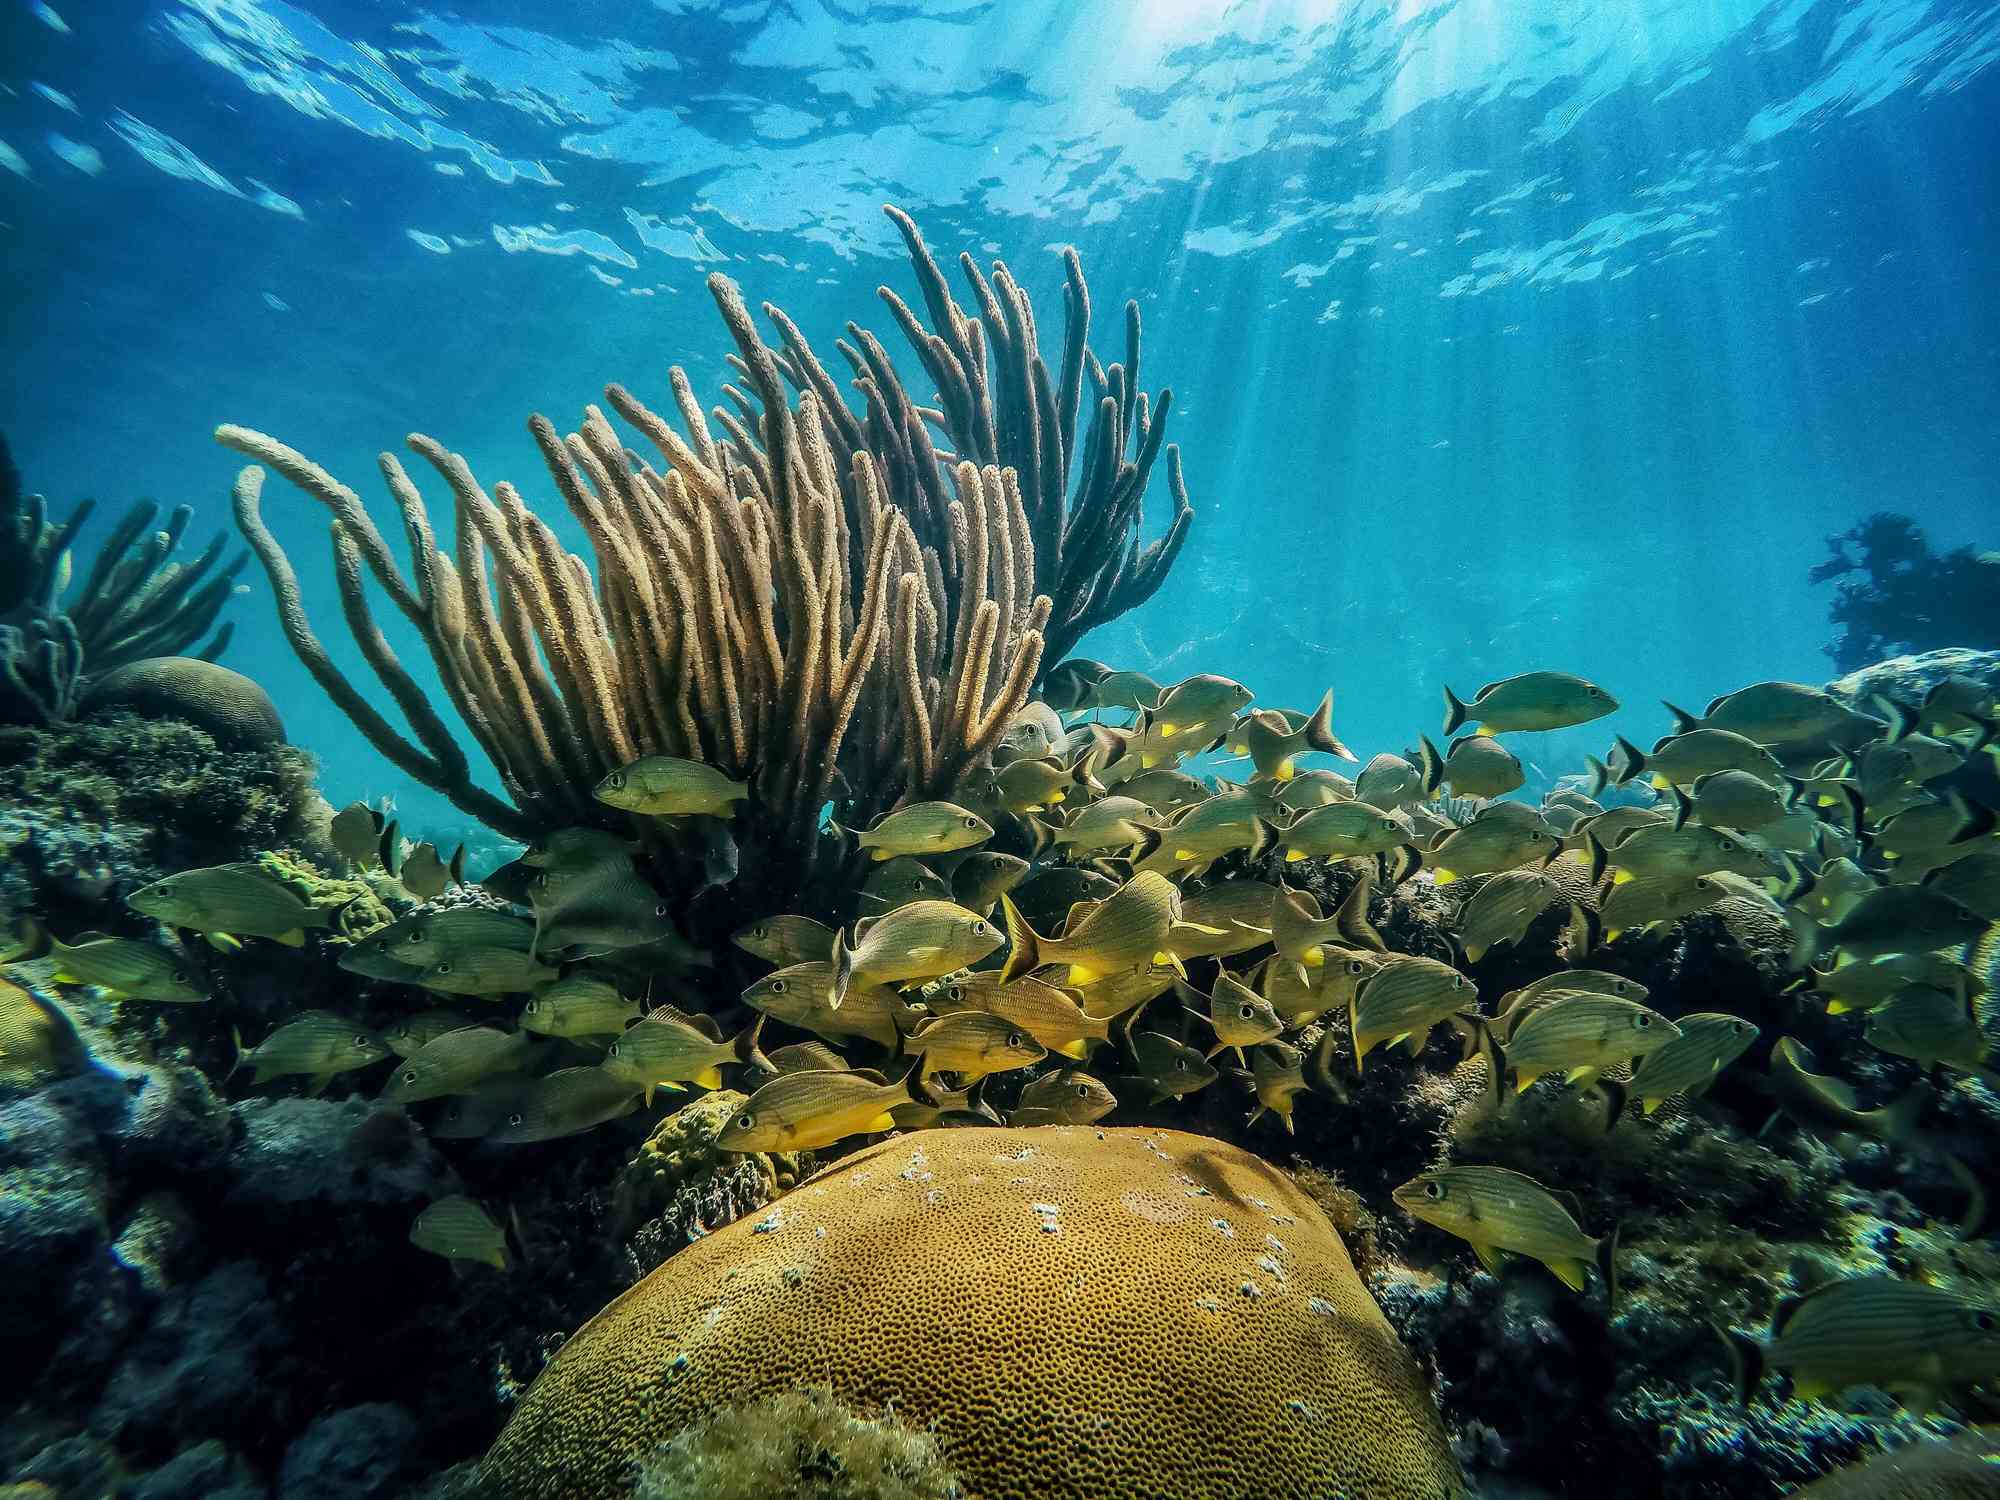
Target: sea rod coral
817 602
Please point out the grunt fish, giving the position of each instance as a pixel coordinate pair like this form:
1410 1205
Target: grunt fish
668 786
459 1229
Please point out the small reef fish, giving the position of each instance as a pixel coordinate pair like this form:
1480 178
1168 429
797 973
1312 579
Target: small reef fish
571 849
665 786
1973 882
355 831
1683 759
1310 789
413 1033
1387 781
232 901
1648 900
1111 823
1277 1073
486 971
1239 1016
806 1111
1730 799
1402 1000
1819 1099
1223 920
1166 790
1502 910
806 1057
1916 1341
1330 988
455 1063
1487 845
1667 850
1578 1036
1474 765
1517 1005
1931 1027
898 882
427 876
1709 1042
1194 703
1031 786
1533 700
1115 994
666 1051
786 940
1121 932
1067 1097
1199 835
1131 690
1775 713
802 995
1274 739
426 937
1066 686
317 1044
599 909
459 1229
1497 1211
972 1044
1170 1068
1302 936
1865 985
1889 919
1046 1013
1342 830
579 1007
474 1115
923 940
566 1102
923 828
981 878
126 968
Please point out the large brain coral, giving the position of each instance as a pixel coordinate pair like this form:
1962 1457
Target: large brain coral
1090 1314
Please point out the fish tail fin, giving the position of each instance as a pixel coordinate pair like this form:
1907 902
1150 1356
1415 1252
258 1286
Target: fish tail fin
1898 1118
1585 932
1858 810
1616 1096
1807 938
1319 1072
747 1049
1023 946
1795 792
1684 722
1600 775
1799 881
1455 713
456 869
1319 730
1683 809
388 846
1979 819
1989 731
1600 857
1607 1266
242 1052
1431 764
911 1081
1496 1057
1635 759
1903 719
1746 1361
1085 774
843 966
1148 845
1041 832
1263 834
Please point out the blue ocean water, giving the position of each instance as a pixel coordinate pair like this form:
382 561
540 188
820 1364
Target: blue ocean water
1501 337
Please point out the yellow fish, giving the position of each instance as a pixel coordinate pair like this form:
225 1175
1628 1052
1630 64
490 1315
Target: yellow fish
923 828
923 940
666 1050
1533 700
1120 932
668 786
1239 1015
1497 1211
786 940
806 1111
974 1043
126 967
1046 1013
459 1229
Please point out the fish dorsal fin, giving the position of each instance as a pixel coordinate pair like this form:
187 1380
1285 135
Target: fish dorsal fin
1570 1201
1784 1311
1078 912
873 1075
862 925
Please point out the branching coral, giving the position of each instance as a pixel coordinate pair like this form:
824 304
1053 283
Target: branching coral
818 602
136 602
1898 596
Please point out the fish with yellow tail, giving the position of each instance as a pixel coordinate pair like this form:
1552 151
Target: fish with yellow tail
1046 1013
1342 830
666 786
980 879
1578 1036
1230 820
1533 700
1121 932
1170 1068
232 901
1474 765
924 940
1196 706
1239 1015
456 1063
1277 1074
317 1044
126 968
1493 842
973 1044
1401 1001
1502 910
1500 1212
1775 713
785 940
1709 1042
898 882
806 1111
667 1049
1109 824
1303 937
1683 759
1032 786
566 1102
923 828
1239 911
802 995
1916 1341
1274 739
458 1228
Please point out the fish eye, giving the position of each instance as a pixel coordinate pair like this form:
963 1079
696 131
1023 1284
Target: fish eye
1356 966
1596 692
1642 1020
1535 835
956 992
1727 846
361 1040
612 1050
660 910
1245 1011
516 1118
1389 823
615 780
1014 1039
180 976
409 1075
745 1121
417 935
443 967
777 986
1434 1191
917 884
1984 1321
971 821
1083 1091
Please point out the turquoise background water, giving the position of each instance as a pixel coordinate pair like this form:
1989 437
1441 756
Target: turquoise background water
1501 336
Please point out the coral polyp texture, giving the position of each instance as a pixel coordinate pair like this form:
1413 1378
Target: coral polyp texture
1074 1312
818 601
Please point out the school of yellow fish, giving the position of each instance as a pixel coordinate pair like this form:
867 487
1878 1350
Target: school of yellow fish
1111 963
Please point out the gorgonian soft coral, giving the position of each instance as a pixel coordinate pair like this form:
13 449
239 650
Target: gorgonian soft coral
1898 596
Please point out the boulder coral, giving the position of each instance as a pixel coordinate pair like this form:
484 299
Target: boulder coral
1075 1312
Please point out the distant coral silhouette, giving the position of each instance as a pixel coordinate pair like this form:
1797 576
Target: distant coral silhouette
1897 596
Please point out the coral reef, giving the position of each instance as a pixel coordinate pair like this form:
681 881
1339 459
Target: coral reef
680 1186
797 1445
818 602
1897 596
137 601
226 705
1113 1265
